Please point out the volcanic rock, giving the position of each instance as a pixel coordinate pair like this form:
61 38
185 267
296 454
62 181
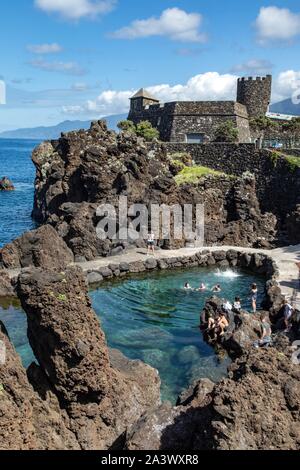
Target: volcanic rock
40 248
6 184
82 170
101 400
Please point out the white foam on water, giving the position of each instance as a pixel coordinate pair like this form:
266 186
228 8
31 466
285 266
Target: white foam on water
22 186
228 273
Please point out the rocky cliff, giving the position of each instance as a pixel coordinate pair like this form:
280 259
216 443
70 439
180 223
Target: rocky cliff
79 396
84 169
256 408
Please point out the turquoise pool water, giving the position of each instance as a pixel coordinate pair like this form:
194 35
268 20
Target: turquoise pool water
151 317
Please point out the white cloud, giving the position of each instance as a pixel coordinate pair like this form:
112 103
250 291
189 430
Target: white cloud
275 23
2 92
76 9
203 87
208 86
173 23
254 67
286 84
70 68
44 48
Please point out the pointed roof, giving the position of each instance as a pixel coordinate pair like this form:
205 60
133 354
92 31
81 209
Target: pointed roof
143 93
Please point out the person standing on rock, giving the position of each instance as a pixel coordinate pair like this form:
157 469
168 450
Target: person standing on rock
151 244
298 266
254 293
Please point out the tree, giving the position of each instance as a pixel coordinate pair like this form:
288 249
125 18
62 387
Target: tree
292 130
127 126
147 131
263 125
226 132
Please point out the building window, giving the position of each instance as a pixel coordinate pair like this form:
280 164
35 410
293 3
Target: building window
195 138
159 121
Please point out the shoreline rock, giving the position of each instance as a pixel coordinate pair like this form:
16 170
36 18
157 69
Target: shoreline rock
6 184
101 401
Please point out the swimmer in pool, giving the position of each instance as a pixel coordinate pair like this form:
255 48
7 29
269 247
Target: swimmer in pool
187 286
202 287
217 288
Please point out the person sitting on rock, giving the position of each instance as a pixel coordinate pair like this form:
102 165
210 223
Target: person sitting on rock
266 332
210 322
227 306
237 305
217 288
221 324
287 315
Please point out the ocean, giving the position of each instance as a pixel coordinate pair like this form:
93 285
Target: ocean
16 206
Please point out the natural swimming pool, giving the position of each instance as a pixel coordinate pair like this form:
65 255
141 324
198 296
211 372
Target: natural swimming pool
152 318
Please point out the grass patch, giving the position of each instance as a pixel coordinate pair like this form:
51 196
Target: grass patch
191 175
293 162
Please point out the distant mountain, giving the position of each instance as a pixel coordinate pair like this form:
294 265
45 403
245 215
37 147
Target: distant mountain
53 132
286 107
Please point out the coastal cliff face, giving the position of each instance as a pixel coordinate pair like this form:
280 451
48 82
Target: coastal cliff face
77 397
87 168
256 408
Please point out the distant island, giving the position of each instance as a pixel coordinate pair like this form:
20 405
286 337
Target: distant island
53 132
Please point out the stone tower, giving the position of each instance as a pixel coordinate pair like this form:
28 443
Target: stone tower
255 94
140 100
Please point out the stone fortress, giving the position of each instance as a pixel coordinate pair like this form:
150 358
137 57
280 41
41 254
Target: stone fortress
197 121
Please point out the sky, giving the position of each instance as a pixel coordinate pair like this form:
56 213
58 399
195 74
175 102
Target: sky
83 59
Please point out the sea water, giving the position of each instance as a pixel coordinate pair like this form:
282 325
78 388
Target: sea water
16 206
152 318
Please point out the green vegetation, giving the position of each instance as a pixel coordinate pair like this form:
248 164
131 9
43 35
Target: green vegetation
227 132
293 162
62 298
127 126
142 129
181 159
191 175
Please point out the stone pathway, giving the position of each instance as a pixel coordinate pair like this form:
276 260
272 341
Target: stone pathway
285 259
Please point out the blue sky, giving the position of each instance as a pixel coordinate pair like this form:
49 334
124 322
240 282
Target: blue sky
80 59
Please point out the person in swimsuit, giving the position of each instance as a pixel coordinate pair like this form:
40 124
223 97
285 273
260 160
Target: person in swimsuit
254 292
151 244
202 287
217 288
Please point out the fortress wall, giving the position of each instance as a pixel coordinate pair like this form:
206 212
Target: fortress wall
175 120
278 185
